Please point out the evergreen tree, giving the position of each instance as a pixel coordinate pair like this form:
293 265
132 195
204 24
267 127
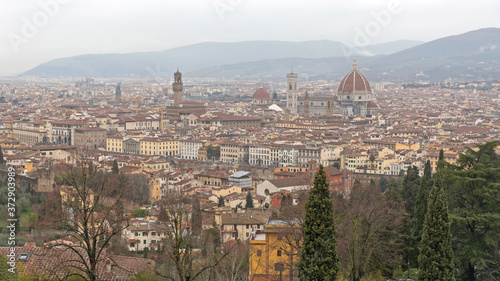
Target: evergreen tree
441 159
426 185
318 255
474 192
436 255
196 217
411 183
115 167
5 274
221 202
1 156
249 201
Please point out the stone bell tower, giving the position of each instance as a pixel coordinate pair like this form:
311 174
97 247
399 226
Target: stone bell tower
177 88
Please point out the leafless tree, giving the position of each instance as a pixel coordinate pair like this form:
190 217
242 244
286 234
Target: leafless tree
93 216
183 259
367 231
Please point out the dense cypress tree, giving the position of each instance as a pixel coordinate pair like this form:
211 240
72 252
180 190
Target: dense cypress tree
436 255
1 156
115 169
249 201
426 185
318 255
221 202
196 217
411 183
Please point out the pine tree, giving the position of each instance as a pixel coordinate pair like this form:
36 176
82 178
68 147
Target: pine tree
426 185
1 156
474 191
436 255
318 255
221 202
249 201
115 167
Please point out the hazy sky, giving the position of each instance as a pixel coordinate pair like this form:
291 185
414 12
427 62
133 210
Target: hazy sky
33 32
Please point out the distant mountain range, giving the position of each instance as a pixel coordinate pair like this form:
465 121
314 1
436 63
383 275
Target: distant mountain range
473 55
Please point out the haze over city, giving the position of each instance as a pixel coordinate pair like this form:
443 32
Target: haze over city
93 27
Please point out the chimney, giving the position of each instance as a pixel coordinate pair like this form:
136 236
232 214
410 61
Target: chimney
108 266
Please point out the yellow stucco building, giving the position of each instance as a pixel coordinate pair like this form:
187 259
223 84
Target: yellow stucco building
274 253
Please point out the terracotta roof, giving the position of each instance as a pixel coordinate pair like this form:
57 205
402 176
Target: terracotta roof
288 182
242 219
332 171
58 260
261 93
354 81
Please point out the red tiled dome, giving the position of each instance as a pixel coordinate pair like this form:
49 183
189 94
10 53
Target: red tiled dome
372 104
261 93
354 81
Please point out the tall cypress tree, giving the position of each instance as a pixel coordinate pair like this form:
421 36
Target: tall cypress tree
436 255
411 182
249 201
1 156
318 255
426 185
115 169
221 202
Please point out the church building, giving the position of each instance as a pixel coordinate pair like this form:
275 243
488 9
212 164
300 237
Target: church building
354 97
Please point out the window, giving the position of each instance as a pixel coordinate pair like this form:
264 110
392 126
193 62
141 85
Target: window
144 241
132 245
136 233
259 253
279 253
248 226
279 267
23 257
